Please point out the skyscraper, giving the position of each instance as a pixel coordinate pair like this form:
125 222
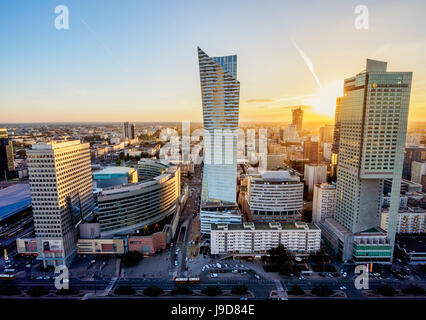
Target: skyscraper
298 118
61 188
373 124
128 130
311 151
6 155
220 91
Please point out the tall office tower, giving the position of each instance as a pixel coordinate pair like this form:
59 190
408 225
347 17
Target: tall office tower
412 153
311 151
128 130
132 134
326 133
324 202
418 170
60 177
373 126
336 141
298 118
6 155
220 91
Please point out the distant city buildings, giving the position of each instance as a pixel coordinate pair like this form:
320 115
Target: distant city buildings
129 131
314 174
7 164
410 220
311 151
297 115
412 153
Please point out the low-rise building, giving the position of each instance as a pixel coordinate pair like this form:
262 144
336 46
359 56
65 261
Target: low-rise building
410 220
251 238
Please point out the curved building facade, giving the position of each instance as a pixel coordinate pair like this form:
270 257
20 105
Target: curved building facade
149 169
125 209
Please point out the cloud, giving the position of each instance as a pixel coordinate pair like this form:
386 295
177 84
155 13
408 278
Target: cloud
259 100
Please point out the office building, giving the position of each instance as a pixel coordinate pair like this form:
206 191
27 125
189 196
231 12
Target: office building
410 220
61 188
114 176
311 151
129 130
373 124
314 174
214 213
418 169
297 115
127 208
324 202
326 133
257 238
275 196
220 91
412 153
7 164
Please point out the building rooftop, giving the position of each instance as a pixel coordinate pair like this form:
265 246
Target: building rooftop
54 144
112 172
14 199
267 226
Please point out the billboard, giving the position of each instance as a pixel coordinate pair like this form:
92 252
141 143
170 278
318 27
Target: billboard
52 246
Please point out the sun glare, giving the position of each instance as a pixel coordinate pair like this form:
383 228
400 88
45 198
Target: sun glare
324 100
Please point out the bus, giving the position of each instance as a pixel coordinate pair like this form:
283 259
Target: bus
5 276
187 280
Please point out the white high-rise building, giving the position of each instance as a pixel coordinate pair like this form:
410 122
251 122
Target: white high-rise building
60 177
418 169
313 174
373 126
275 196
220 91
324 202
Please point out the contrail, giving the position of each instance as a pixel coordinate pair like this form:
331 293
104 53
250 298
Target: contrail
308 62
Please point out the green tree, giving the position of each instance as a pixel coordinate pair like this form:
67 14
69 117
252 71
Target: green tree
296 290
212 291
153 291
240 290
118 162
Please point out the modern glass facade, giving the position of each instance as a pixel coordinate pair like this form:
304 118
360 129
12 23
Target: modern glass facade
220 92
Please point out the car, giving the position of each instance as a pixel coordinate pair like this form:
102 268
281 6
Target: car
342 288
243 298
235 271
213 275
218 265
345 274
39 278
176 262
257 276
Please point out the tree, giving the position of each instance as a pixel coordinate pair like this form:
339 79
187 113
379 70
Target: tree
153 291
37 292
386 290
296 290
240 290
181 290
9 290
286 268
66 292
125 290
322 291
118 162
414 290
212 291
131 258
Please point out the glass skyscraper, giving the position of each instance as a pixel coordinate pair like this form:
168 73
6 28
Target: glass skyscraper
373 125
220 92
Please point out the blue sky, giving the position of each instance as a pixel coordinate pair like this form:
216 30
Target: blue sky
136 60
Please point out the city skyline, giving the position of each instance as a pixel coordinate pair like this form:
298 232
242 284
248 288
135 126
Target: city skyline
108 68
